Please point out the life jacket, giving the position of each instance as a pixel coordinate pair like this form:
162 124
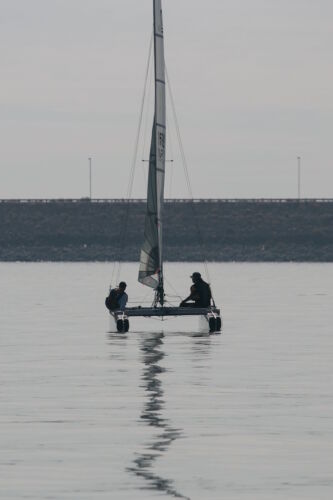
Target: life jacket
111 301
204 294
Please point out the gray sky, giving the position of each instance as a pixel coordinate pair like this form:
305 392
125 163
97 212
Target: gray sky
252 81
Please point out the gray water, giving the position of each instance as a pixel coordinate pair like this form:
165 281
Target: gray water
161 412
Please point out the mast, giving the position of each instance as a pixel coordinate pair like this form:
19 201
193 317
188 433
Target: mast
160 127
151 259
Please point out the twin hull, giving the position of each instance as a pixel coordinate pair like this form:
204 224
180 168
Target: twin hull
207 320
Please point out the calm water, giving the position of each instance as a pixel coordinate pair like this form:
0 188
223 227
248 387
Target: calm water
160 413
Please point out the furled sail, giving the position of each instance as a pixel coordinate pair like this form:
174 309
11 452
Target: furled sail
151 259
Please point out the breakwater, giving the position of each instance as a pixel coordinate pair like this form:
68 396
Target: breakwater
219 230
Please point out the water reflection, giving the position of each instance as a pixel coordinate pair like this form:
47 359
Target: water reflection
153 354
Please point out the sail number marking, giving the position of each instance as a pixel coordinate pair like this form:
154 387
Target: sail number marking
161 145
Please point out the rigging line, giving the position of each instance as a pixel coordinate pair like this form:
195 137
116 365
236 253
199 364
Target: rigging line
187 177
170 145
117 264
143 300
146 118
173 288
171 170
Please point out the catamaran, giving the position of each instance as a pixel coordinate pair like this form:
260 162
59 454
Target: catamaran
151 258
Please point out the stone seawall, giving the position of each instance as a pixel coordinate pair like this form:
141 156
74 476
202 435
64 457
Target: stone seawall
219 230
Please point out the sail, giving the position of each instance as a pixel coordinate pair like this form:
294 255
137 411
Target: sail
151 258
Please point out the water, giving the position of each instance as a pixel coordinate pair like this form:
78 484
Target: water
159 413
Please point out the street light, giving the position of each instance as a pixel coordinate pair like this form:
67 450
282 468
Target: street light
299 177
89 177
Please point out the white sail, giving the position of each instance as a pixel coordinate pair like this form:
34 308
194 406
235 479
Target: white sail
151 258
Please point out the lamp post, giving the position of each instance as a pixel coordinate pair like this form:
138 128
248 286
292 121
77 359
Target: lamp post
89 177
299 177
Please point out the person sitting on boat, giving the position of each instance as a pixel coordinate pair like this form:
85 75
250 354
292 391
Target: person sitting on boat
200 295
117 299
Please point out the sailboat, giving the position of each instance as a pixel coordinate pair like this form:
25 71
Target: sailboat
151 271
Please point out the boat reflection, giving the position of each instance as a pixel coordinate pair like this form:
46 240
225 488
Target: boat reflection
153 354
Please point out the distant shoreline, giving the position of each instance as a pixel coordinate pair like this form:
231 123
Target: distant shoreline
218 230
304 254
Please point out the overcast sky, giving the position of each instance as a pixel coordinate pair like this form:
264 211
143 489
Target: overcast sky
252 81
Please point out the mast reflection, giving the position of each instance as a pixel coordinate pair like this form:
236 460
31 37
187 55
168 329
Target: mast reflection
152 414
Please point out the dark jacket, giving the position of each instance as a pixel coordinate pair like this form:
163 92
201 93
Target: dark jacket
202 294
112 301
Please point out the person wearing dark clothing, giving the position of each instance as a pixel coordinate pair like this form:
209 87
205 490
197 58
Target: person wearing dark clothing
117 298
200 295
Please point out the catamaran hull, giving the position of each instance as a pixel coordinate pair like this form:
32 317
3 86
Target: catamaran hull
119 323
211 323
210 320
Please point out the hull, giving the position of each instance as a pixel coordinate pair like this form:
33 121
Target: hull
209 320
119 322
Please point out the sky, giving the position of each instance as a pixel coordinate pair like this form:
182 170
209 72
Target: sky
252 82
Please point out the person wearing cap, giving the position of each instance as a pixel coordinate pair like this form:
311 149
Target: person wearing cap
200 295
117 299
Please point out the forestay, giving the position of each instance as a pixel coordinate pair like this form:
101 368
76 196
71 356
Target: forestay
151 258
